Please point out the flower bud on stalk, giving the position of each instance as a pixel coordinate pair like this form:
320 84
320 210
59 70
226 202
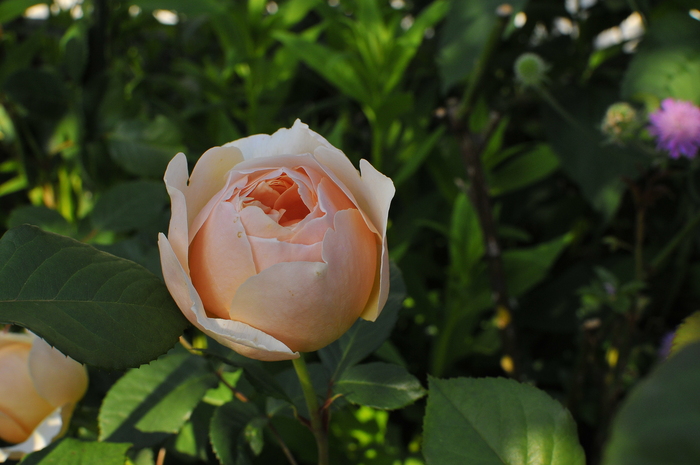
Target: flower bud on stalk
39 387
277 244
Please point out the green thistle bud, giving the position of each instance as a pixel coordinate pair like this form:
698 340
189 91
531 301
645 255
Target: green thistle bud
620 122
531 70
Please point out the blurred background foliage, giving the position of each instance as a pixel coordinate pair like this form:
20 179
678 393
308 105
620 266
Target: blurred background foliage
97 96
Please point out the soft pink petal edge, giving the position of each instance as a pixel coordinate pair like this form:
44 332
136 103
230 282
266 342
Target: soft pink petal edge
235 335
47 431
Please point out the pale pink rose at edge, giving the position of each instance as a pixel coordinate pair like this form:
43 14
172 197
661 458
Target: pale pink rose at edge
276 244
39 388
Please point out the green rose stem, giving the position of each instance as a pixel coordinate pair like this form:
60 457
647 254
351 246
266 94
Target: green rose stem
317 427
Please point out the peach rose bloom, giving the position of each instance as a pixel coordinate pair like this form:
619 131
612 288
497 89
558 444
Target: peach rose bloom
277 244
39 387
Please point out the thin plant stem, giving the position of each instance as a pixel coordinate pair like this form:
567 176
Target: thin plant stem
662 256
317 427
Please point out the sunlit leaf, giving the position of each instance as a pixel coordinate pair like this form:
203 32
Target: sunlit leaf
71 451
495 421
658 422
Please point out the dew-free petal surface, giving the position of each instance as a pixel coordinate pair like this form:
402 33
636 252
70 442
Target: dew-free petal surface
242 338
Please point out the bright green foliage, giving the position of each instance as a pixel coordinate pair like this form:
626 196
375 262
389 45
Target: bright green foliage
66 291
687 333
155 398
657 424
497 421
74 452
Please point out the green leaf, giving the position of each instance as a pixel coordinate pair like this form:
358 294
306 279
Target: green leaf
466 239
10 9
596 167
92 306
667 64
155 398
193 438
336 67
364 337
687 333
464 37
41 92
70 451
379 385
659 421
495 421
41 216
528 266
226 431
131 206
524 170
144 150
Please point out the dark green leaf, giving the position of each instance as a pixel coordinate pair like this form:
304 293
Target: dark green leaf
528 266
94 307
595 166
226 431
364 337
495 421
524 170
43 217
659 421
379 385
70 451
130 206
466 31
144 150
41 92
319 379
155 398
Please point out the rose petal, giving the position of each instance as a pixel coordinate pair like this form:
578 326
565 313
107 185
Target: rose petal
41 437
209 177
220 259
269 251
292 141
372 192
18 398
309 305
57 378
175 183
235 335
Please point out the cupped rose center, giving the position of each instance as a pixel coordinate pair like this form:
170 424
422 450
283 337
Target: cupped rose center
279 198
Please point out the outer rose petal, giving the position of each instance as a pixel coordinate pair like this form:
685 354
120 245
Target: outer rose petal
57 378
220 259
293 141
309 305
18 400
235 335
48 429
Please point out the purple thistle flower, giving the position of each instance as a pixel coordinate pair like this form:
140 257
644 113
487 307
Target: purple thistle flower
676 126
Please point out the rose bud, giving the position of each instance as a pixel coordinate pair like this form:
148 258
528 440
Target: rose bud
276 243
39 387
